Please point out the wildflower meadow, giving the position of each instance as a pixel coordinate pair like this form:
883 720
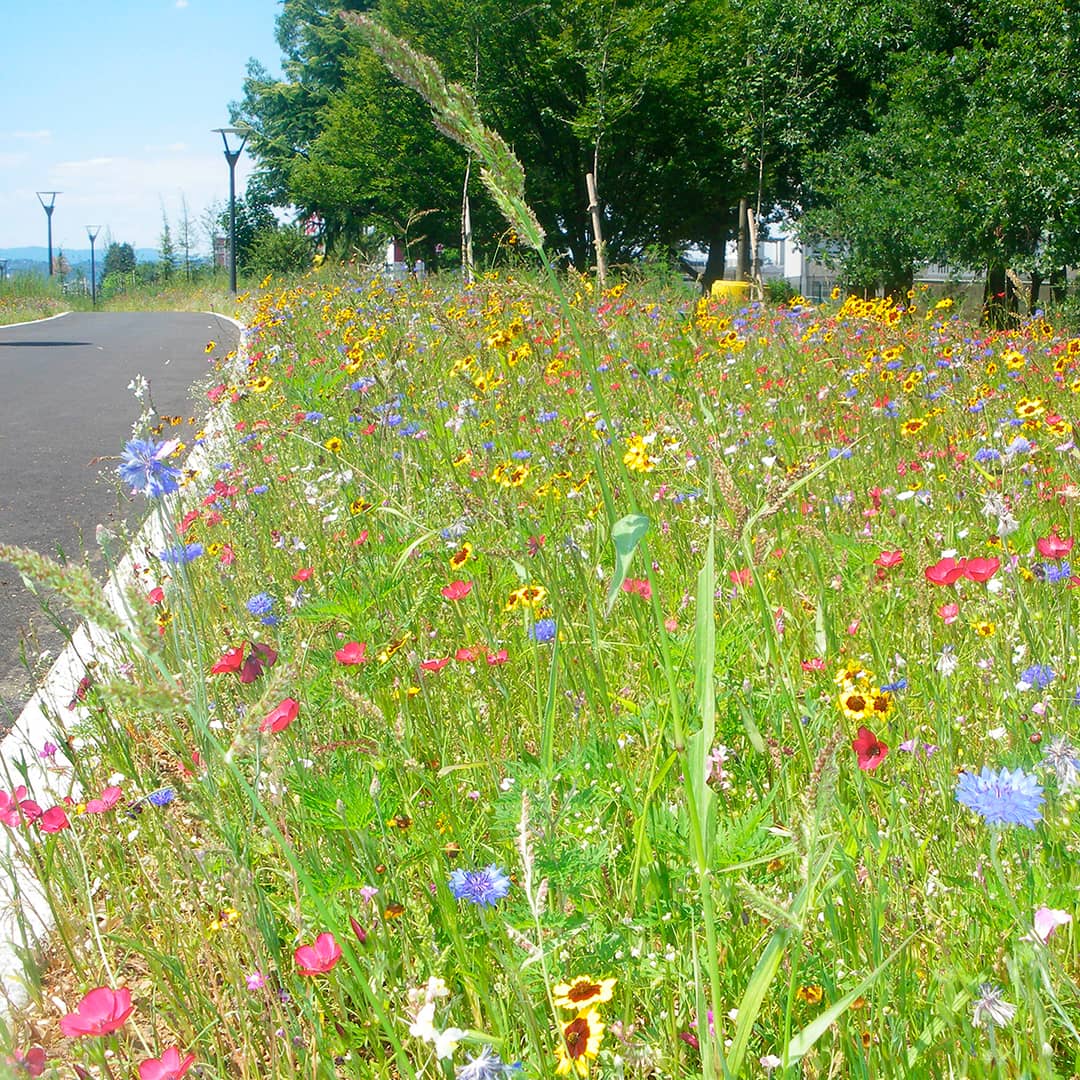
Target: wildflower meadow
636 686
537 679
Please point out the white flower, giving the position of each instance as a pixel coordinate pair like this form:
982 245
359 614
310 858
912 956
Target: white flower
446 1042
423 1027
947 662
991 1009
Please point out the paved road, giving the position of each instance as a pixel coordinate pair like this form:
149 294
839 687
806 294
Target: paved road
65 404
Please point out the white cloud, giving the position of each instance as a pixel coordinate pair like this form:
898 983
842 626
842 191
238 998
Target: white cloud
12 161
44 133
69 168
125 195
179 4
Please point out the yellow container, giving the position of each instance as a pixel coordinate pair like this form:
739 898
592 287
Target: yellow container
734 290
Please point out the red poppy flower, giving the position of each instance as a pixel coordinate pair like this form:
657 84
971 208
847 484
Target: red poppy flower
466 655
232 660
981 569
434 665
946 571
262 655
281 717
169 1066
499 657
101 1012
1053 547
352 653
156 595
869 749
318 958
32 1062
303 573
888 559
457 590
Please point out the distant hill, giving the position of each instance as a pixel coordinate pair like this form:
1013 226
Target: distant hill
22 260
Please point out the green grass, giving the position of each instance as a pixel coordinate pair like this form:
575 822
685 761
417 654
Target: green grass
672 516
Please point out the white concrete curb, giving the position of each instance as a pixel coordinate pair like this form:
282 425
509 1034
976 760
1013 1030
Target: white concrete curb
25 916
34 322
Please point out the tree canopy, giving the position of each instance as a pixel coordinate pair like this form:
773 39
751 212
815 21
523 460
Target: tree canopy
908 132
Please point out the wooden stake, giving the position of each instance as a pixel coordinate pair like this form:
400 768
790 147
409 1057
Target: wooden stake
598 238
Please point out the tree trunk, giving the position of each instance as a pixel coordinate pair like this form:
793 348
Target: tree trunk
995 297
714 265
1034 290
742 265
466 227
1058 285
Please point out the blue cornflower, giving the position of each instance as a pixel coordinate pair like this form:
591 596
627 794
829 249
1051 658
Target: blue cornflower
521 455
543 630
895 687
143 467
1018 446
260 489
314 417
161 797
1039 676
1055 573
261 605
486 1066
485 888
547 417
986 454
180 553
1002 797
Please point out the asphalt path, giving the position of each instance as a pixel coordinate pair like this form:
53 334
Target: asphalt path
66 411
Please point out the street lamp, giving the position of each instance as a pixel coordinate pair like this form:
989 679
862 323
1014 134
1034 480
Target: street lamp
232 156
48 208
92 231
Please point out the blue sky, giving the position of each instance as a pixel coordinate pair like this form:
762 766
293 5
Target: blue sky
112 103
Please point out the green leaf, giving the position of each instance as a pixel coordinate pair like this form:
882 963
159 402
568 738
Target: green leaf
626 534
700 743
802 1042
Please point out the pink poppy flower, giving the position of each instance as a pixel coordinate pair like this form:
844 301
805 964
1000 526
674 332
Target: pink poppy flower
499 657
981 569
1053 547
167 1067
318 958
1047 920
352 653
105 801
280 718
54 820
888 559
466 655
946 571
101 1012
869 749
949 613
457 590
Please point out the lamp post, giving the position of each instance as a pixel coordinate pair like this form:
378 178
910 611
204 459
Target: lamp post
232 156
48 208
92 231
